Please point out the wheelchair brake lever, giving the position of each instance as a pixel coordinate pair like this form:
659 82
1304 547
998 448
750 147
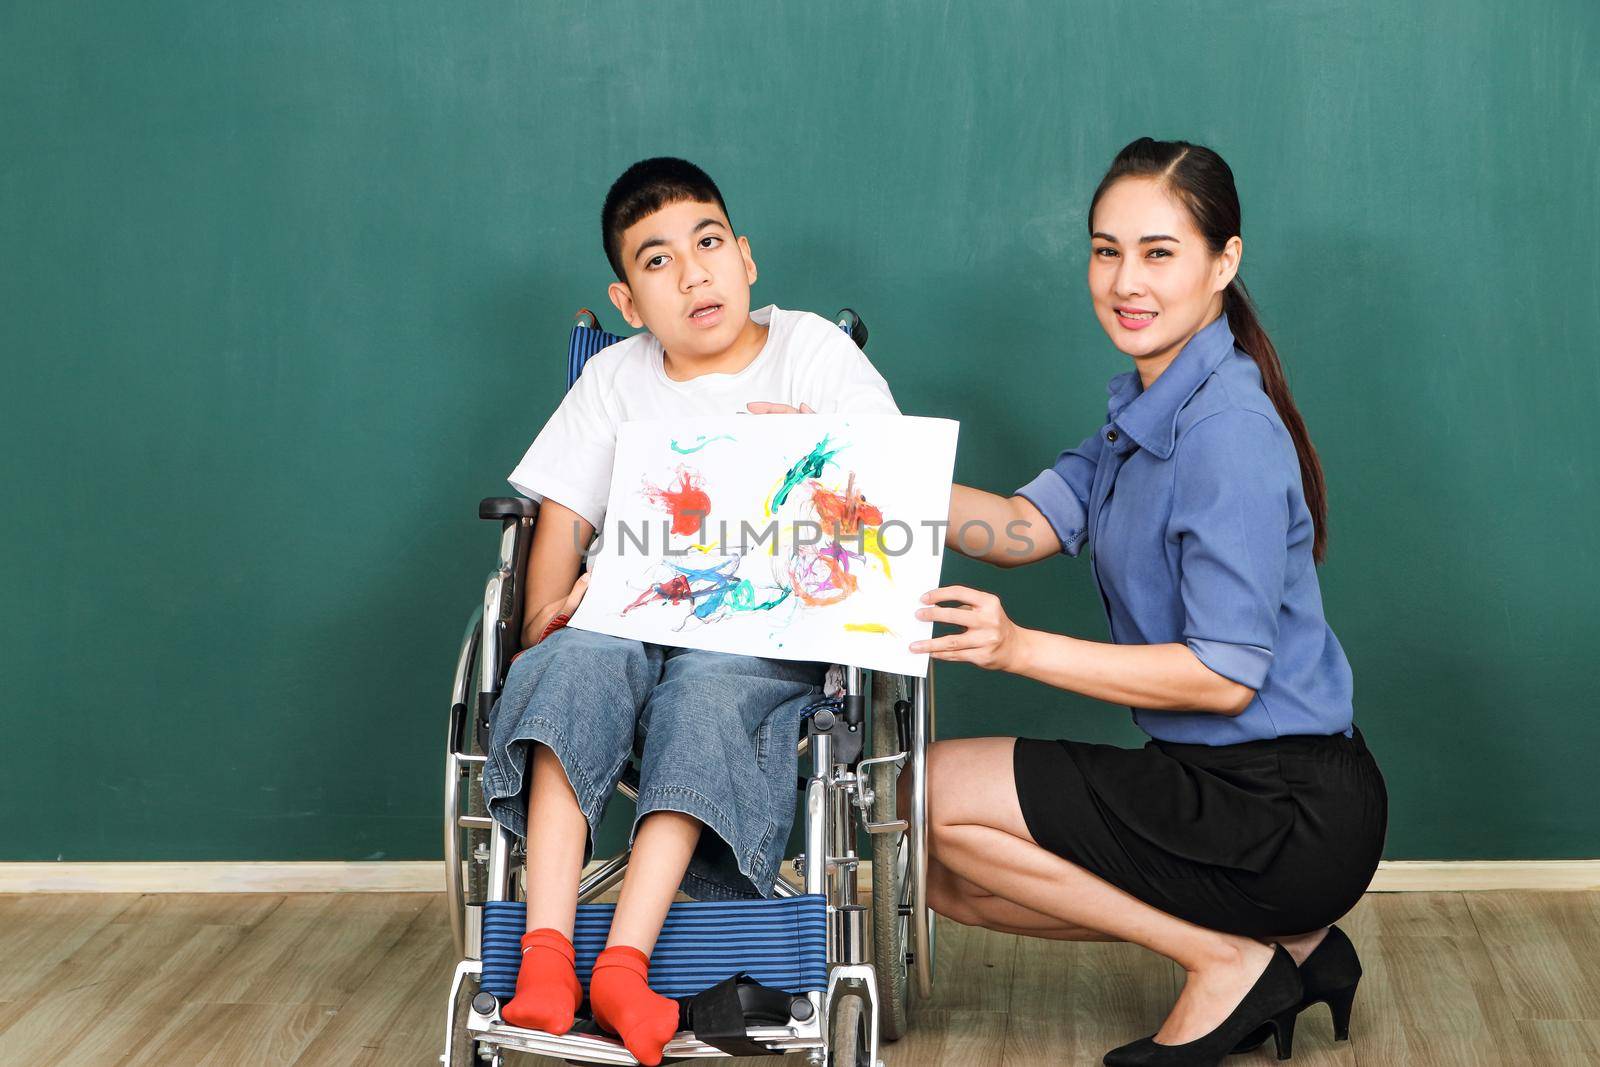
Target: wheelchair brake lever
865 795
898 759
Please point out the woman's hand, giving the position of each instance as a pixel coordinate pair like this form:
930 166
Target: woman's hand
770 407
990 639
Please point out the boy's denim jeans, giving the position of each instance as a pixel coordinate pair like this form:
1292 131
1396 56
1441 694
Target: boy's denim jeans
716 734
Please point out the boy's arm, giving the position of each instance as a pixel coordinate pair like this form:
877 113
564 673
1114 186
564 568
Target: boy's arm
553 561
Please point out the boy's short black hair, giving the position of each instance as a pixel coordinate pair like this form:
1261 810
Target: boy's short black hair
648 186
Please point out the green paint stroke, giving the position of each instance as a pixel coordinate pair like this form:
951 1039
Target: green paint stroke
743 597
700 442
809 467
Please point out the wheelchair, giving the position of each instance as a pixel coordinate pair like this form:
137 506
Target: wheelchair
799 975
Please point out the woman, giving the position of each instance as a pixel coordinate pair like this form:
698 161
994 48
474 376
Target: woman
1255 816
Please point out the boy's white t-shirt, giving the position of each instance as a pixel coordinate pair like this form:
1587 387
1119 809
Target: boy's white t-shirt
806 360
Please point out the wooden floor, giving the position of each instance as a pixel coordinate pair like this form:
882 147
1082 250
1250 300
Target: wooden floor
360 978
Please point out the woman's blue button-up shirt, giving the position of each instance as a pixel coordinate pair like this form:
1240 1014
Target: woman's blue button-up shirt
1190 501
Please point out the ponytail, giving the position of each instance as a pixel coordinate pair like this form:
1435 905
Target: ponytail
1249 335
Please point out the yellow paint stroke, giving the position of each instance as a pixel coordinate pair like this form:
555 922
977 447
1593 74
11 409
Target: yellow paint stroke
867 628
777 487
872 542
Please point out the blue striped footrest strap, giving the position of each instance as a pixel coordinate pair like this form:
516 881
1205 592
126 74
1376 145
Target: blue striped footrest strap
780 943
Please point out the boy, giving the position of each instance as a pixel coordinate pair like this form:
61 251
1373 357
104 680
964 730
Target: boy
714 727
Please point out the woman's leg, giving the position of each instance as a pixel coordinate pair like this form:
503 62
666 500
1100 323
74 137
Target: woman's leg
977 831
960 901
971 905
1298 945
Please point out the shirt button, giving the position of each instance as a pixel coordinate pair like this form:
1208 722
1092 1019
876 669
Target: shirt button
1111 436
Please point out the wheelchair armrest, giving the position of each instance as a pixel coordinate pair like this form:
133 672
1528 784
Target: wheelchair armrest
507 507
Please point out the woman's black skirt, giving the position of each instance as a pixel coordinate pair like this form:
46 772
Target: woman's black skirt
1264 838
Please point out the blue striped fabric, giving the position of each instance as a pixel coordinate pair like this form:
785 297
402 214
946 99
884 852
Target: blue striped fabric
781 943
585 342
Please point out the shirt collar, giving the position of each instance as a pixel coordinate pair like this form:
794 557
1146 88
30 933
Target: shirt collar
1150 416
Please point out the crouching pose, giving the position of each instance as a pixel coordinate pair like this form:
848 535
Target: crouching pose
1254 816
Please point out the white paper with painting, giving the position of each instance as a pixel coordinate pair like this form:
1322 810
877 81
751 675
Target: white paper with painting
807 537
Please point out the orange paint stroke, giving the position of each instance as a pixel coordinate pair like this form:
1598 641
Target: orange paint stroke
844 513
836 584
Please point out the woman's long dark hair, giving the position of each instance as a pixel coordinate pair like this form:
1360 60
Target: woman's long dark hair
1204 184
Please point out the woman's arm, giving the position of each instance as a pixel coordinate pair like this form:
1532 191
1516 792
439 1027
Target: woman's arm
1004 531
559 535
1166 677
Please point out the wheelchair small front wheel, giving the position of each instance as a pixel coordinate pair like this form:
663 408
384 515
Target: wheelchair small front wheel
847 1033
463 1048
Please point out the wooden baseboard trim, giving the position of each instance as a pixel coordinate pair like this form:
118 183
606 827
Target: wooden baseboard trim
427 876
1466 876
374 876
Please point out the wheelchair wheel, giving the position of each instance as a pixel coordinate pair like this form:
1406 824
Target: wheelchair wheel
477 840
920 917
466 849
847 1033
891 855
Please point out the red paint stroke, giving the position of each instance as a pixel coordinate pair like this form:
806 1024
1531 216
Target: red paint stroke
674 591
688 504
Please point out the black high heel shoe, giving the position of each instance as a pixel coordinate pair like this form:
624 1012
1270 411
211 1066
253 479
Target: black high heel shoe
1330 975
1272 1003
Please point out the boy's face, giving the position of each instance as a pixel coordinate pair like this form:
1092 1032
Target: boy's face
688 278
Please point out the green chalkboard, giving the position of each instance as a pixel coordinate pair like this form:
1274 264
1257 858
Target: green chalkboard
284 290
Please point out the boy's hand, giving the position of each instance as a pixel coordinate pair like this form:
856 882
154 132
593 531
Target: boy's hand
768 407
558 618
569 605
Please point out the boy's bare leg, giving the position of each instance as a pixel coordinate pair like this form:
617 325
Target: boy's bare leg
548 991
661 849
619 991
557 834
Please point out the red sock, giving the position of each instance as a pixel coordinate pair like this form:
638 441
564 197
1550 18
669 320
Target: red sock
548 993
624 1003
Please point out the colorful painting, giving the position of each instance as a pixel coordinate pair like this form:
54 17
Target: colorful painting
806 537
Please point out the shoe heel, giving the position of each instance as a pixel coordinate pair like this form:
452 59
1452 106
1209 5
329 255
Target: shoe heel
1283 1032
1339 1002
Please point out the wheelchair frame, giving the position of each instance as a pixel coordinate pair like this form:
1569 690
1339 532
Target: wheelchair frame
838 1026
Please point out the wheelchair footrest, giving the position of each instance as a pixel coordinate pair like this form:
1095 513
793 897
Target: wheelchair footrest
723 1015
780 943
581 1046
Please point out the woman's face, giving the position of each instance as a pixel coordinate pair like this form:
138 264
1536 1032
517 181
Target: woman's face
1154 282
